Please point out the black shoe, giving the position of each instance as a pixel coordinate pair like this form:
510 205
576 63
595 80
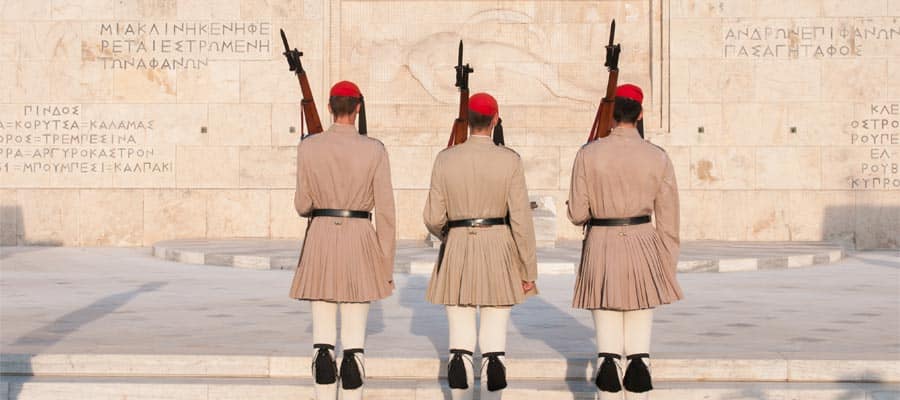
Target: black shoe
637 375
456 369
496 371
608 373
352 373
323 365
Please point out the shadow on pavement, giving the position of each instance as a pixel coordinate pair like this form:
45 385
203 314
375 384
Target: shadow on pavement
567 329
426 320
51 333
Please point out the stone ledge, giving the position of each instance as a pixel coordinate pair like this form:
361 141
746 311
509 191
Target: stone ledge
417 258
826 369
277 389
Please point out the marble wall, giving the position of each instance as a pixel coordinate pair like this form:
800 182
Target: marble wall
125 122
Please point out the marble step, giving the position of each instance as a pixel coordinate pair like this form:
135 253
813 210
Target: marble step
412 258
53 388
664 369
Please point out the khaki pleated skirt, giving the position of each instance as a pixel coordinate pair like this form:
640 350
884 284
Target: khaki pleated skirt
340 262
480 267
623 269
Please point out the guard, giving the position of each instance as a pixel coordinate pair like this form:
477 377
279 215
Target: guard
620 185
478 205
345 263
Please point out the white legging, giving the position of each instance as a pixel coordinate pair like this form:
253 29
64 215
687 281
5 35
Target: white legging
491 338
624 333
353 336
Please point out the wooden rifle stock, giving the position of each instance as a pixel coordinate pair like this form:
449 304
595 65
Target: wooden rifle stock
308 105
460 131
313 124
603 122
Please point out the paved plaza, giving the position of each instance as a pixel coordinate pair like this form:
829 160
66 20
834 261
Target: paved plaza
114 323
106 300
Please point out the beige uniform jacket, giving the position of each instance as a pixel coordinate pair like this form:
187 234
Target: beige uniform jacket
345 259
631 267
484 265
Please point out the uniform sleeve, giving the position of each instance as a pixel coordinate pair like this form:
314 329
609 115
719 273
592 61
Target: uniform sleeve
385 213
302 198
522 222
435 213
578 204
666 212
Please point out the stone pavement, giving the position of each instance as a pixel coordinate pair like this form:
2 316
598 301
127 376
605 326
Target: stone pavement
113 323
415 257
122 301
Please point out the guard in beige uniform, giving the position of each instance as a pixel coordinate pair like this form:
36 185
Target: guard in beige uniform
628 264
478 206
345 262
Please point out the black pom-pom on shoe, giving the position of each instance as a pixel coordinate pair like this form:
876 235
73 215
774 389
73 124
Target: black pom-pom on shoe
351 372
323 366
456 369
496 371
637 375
608 374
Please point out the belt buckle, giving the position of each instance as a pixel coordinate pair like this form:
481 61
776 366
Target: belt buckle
477 224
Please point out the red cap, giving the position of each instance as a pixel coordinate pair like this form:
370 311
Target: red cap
483 103
345 89
630 91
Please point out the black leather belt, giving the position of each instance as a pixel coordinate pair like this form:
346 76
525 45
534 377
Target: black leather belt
328 212
477 222
644 219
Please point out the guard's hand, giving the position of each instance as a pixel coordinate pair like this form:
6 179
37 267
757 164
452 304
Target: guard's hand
527 286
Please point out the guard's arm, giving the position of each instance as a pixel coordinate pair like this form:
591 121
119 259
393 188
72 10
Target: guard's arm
522 223
303 202
666 214
435 212
579 207
385 213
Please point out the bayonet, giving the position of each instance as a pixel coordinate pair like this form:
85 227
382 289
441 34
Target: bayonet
460 130
612 50
462 71
612 33
293 56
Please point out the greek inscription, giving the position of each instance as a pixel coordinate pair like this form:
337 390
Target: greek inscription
822 39
879 134
57 139
179 45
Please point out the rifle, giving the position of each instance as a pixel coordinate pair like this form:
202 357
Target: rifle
460 131
308 105
603 121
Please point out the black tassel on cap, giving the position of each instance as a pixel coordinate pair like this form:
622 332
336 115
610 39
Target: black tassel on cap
496 371
456 369
640 127
324 367
363 128
351 374
637 375
608 374
498 133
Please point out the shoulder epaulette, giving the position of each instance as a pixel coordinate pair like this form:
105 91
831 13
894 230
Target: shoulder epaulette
591 142
510 150
656 145
376 140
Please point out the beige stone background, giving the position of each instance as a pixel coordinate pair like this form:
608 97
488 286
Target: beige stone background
743 72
